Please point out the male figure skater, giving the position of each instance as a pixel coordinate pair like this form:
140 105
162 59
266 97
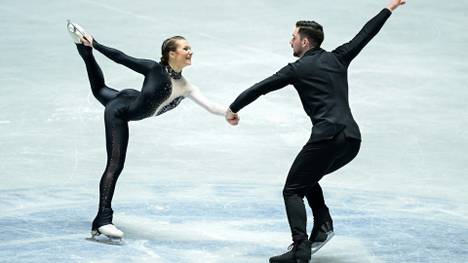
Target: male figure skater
320 78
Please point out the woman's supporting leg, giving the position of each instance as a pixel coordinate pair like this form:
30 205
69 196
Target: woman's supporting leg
103 93
116 144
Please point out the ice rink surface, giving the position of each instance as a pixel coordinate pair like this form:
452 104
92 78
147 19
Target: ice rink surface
195 189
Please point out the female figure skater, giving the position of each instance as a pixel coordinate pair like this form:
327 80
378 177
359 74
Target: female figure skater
163 89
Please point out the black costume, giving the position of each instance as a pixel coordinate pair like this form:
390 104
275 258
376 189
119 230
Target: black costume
122 107
320 78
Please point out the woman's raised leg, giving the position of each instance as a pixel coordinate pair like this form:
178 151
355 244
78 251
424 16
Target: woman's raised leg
100 90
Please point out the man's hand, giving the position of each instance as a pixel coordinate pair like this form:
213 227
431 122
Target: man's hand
232 118
395 3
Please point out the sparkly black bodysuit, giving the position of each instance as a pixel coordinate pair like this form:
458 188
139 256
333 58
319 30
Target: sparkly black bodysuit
171 105
122 107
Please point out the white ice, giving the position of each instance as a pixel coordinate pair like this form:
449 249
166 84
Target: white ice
197 190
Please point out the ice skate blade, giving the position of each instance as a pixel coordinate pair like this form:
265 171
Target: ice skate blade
318 245
75 31
295 261
101 238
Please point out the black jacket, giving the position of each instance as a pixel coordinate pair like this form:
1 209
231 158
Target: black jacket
321 79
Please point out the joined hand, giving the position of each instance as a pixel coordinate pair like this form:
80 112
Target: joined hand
232 118
87 40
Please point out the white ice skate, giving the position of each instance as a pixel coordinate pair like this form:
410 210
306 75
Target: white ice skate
76 31
109 230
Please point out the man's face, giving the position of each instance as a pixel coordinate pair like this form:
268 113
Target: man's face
297 44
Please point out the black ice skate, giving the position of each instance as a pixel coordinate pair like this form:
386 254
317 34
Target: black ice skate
320 235
298 253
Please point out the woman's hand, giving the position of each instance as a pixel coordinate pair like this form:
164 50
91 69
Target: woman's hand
87 40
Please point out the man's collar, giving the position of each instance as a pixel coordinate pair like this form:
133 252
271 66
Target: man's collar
312 51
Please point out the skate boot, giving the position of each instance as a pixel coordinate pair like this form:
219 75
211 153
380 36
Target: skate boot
102 224
321 234
76 31
299 252
109 230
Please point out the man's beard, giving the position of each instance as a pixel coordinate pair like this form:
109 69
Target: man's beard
295 54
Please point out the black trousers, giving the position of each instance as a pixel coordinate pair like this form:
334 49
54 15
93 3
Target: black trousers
315 160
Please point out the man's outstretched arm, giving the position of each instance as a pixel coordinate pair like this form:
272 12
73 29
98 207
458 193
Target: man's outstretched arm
277 81
347 52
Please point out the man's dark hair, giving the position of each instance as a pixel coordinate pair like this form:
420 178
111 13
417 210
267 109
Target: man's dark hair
311 30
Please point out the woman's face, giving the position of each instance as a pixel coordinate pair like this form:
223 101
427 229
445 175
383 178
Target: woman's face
182 56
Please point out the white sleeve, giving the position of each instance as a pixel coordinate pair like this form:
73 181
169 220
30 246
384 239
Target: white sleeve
197 96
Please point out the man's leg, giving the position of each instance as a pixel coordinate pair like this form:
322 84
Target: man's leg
307 169
315 196
316 202
322 230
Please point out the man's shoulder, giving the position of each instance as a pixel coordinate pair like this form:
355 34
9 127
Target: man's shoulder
315 57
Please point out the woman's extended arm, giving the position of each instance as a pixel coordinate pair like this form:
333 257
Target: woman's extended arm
142 66
197 96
